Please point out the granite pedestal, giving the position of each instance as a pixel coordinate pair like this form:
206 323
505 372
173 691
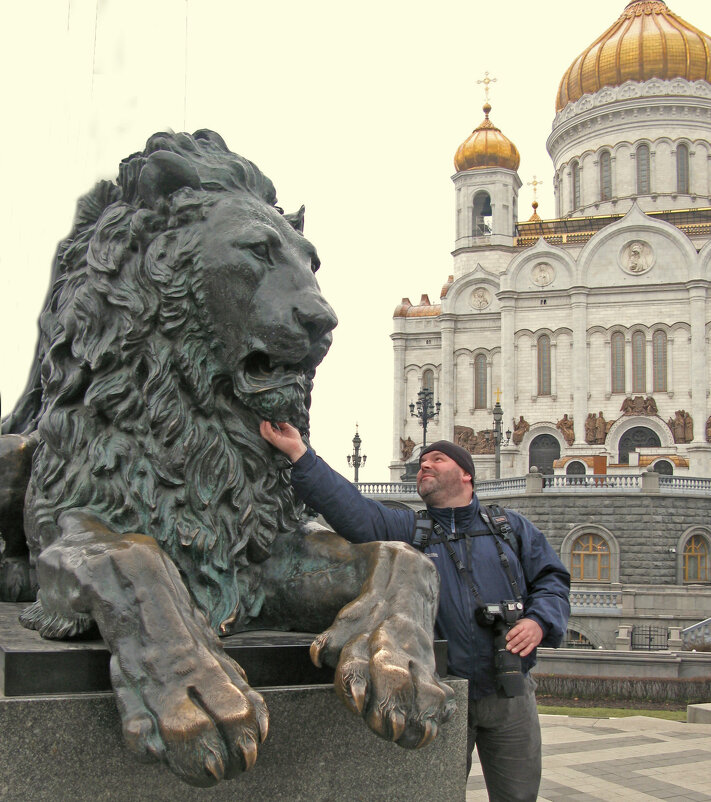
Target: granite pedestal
58 741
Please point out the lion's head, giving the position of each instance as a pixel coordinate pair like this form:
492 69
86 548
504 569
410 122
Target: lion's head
183 309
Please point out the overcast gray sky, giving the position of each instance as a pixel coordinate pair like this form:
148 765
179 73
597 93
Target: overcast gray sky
355 110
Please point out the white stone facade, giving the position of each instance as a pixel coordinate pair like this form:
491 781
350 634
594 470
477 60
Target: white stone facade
625 305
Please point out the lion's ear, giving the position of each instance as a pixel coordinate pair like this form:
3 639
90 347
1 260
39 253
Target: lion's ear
163 173
297 220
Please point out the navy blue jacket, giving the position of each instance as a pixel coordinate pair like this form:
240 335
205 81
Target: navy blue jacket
540 575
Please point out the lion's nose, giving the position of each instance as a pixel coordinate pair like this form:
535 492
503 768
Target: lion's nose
317 318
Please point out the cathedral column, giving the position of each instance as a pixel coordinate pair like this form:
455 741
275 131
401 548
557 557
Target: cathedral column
697 310
489 383
581 377
628 365
508 373
447 389
400 389
472 385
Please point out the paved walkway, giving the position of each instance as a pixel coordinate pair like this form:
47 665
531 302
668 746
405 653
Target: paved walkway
636 759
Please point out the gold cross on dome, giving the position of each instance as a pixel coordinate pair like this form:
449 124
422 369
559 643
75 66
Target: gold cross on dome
535 184
498 395
486 81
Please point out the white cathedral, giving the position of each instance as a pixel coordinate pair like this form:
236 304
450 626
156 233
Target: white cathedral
592 327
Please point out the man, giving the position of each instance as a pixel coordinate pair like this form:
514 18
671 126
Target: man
505 729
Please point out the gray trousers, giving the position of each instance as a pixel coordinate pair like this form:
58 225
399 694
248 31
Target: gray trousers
507 735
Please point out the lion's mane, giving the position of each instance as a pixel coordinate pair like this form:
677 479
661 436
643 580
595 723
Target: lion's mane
139 422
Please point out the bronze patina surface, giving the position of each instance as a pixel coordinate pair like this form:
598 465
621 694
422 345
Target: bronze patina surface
184 309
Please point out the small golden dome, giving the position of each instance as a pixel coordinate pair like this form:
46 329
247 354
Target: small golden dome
486 147
647 41
535 217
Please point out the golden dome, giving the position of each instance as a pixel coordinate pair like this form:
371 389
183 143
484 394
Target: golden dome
647 41
486 147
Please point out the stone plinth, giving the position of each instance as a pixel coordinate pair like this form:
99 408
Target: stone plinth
68 745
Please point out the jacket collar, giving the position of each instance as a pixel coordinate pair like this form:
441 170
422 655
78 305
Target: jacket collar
456 519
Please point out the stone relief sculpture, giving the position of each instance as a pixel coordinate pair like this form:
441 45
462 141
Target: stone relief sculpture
637 257
406 448
565 425
183 310
480 298
682 426
542 274
520 430
596 428
481 442
639 405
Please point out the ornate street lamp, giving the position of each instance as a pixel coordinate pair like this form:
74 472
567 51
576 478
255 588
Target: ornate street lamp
424 410
355 460
498 435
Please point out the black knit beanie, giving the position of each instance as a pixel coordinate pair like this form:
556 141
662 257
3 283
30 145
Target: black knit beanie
460 455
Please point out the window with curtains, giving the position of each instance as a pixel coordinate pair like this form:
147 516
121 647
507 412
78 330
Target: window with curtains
590 559
480 382
544 365
659 360
696 559
639 363
605 175
617 362
682 168
575 184
642 157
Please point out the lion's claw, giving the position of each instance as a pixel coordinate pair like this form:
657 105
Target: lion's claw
394 688
206 725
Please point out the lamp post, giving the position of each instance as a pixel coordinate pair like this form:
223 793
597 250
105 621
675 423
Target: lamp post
499 436
355 460
424 410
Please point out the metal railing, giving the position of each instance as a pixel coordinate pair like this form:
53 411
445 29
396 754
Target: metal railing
685 484
501 487
595 600
593 481
649 638
697 636
387 488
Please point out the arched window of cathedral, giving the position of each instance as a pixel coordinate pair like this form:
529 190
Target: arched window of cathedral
575 184
663 467
480 382
481 214
542 453
544 365
605 175
682 168
642 157
617 362
575 468
428 380
639 363
634 438
696 559
590 559
659 359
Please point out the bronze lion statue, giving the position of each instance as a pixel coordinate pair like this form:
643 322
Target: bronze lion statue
183 310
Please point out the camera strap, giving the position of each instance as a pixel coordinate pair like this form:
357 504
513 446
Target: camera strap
424 526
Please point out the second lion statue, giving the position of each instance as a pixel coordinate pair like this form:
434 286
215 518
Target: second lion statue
183 310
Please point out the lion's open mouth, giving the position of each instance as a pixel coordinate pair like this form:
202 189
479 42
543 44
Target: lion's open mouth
258 374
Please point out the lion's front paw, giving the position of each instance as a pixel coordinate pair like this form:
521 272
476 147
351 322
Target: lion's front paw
387 676
203 720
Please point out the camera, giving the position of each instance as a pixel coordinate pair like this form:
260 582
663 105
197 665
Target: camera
507 666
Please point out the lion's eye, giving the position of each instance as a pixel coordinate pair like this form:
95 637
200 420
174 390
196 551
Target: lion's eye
260 250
